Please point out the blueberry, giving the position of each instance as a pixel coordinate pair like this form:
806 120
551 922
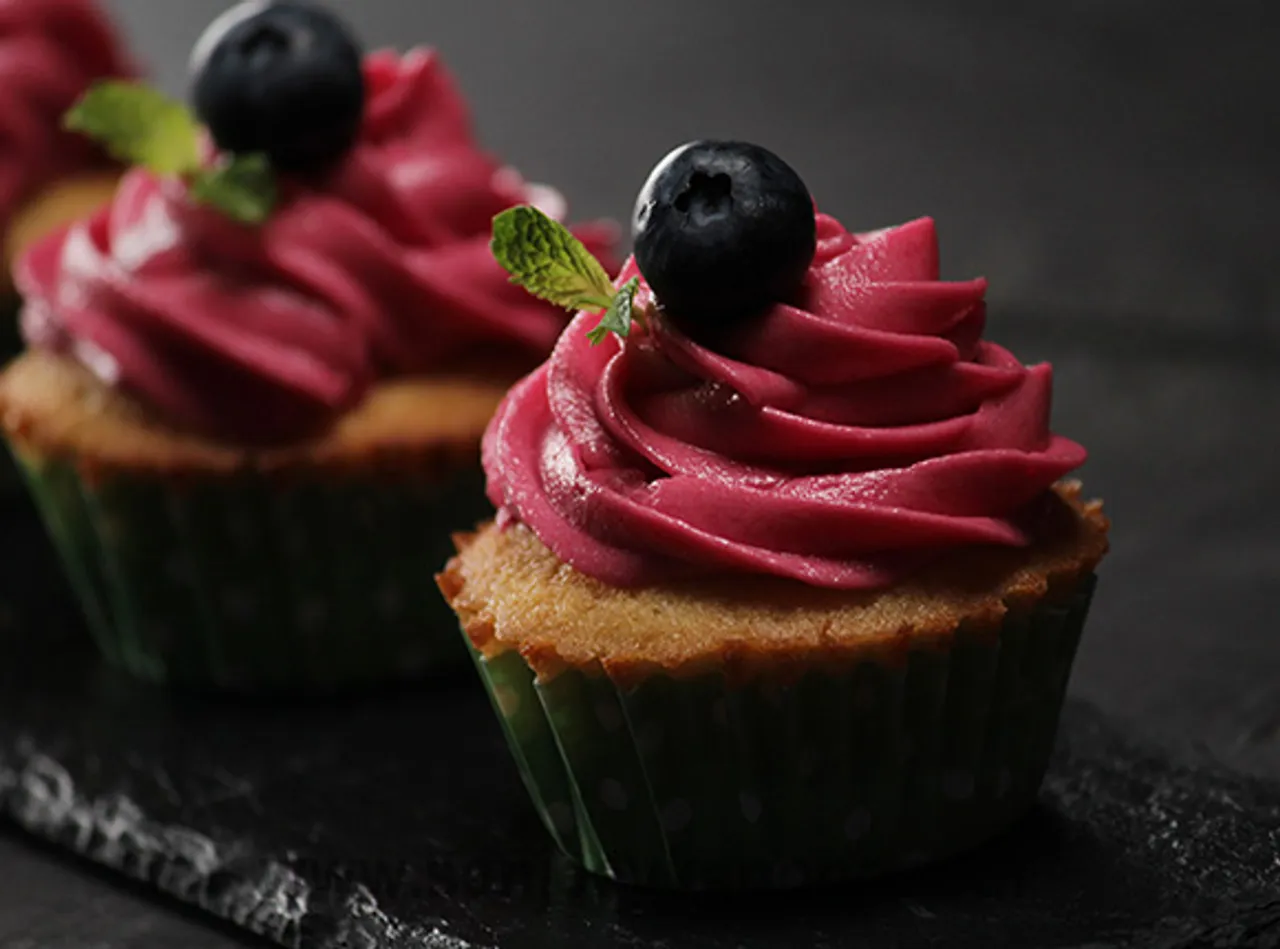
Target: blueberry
723 230
283 78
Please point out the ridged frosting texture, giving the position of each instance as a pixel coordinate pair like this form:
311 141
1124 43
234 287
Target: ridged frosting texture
844 440
50 52
380 268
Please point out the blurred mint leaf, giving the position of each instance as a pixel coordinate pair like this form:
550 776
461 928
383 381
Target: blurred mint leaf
242 187
139 125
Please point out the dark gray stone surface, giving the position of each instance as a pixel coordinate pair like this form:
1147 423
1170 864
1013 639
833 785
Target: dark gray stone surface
46 905
1127 849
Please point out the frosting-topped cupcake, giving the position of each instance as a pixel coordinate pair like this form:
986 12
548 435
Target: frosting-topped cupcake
785 586
310 330
843 439
377 269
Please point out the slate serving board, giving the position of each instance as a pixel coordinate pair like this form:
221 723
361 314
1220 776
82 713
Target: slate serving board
396 820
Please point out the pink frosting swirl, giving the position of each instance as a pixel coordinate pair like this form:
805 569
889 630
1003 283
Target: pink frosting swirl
843 441
50 51
380 268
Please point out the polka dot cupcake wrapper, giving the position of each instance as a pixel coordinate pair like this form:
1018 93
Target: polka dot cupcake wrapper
248 585
696 783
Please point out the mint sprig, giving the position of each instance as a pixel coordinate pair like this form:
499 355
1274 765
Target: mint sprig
139 125
242 187
620 314
550 263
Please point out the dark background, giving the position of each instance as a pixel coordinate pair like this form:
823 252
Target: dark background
1110 165
1108 155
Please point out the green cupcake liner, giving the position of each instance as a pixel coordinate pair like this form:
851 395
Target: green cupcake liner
249 584
697 783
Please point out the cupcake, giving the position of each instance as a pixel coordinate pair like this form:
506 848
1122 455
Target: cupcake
256 383
50 52
785 585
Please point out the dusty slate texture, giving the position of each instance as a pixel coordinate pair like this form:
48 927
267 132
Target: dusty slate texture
397 823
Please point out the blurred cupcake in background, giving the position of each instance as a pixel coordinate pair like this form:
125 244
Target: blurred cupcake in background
785 587
252 408
50 52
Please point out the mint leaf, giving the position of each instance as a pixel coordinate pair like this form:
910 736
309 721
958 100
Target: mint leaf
139 125
547 260
242 187
617 319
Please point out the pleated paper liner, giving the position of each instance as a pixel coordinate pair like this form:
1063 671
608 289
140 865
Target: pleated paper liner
698 783
249 584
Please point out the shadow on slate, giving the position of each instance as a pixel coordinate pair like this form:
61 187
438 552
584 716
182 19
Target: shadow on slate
398 821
